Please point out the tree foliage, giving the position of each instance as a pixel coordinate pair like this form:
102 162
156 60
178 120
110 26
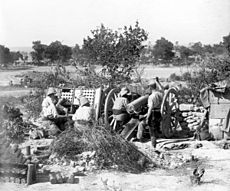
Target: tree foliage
226 43
39 51
56 51
197 48
163 49
6 56
185 52
116 51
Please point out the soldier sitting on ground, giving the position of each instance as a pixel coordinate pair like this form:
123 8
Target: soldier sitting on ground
50 113
84 114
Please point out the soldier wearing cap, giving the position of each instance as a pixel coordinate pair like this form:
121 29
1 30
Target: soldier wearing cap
50 112
120 104
153 116
48 107
84 114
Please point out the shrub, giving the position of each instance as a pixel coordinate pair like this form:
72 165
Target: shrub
33 103
186 76
13 125
174 77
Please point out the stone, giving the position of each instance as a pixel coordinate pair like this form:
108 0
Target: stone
186 107
80 168
72 163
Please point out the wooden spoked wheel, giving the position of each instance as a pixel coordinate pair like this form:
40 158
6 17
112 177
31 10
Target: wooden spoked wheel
108 113
169 109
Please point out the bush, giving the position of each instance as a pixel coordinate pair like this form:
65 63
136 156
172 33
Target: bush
13 125
33 103
186 76
175 77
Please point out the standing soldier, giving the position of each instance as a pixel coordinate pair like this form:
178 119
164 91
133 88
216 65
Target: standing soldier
153 117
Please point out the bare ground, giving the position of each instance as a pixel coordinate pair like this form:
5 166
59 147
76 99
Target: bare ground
214 159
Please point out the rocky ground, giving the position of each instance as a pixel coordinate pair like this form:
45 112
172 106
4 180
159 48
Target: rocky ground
175 176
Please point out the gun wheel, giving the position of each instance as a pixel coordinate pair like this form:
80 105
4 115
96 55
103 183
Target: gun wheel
169 109
108 113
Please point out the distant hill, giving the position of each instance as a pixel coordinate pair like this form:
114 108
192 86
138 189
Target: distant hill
21 49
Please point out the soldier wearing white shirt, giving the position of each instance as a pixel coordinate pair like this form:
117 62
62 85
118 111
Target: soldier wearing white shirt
50 113
84 114
153 116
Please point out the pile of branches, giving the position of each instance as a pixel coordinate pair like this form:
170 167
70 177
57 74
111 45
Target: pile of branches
112 151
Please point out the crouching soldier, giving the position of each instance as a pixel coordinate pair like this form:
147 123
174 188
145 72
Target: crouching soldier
50 113
84 114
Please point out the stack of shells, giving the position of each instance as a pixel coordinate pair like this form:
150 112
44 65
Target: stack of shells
191 117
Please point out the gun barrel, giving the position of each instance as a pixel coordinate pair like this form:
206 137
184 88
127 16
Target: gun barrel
135 106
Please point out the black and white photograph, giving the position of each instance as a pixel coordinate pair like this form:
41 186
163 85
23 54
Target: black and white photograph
115 95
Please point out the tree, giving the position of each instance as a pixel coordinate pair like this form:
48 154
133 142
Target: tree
163 49
5 56
15 56
58 52
198 49
218 49
76 51
185 52
226 43
116 51
39 51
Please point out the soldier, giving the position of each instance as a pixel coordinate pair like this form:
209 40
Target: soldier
83 115
119 106
153 116
84 112
50 113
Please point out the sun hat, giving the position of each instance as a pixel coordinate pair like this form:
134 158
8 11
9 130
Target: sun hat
124 91
83 101
152 83
51 91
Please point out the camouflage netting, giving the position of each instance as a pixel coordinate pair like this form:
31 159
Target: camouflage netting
112 151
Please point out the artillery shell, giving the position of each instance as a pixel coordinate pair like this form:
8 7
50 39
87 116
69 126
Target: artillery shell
28 153
30 173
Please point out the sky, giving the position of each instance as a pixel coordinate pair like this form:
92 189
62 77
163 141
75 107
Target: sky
70 21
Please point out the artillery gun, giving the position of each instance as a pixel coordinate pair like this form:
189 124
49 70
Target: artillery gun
102 101
169 110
